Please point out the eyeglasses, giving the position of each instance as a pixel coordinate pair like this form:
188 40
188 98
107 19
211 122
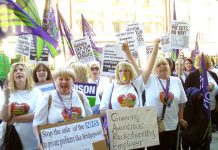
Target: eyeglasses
94 68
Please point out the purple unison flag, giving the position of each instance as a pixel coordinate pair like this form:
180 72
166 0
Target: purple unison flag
15 21
87 31
204 87
196 51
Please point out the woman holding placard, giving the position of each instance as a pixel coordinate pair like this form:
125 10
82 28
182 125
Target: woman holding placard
128 88
172 100
63 104
20 99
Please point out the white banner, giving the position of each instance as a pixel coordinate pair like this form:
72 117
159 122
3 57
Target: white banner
83 50
139 30
132 128
23 44
80 135
130 38
165 43
180 33
112 55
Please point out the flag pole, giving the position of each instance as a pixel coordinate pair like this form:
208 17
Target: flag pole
71 21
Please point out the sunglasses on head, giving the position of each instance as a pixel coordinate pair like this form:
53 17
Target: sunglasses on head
94 68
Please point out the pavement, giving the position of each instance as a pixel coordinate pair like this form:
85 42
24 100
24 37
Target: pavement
214 143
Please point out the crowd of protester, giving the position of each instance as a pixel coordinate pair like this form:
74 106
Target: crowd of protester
169 90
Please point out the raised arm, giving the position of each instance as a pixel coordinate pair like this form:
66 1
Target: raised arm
146 73
129 56
5 111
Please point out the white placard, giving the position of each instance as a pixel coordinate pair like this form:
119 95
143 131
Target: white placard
83 50
44 56
165 43
130 38
112 55
79 135
132 128
46 87
139 30
180 33
23 44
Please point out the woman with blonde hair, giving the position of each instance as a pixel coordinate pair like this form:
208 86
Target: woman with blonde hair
128 88
20 101
81 72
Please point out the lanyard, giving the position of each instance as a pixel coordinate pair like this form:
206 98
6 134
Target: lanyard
166 90
69 111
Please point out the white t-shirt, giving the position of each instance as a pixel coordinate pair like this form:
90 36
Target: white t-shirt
212 93
56 111
25 130
153 89
123 95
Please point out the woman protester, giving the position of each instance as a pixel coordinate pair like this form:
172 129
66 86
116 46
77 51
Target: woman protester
194 80
63 104
100 81
20 102
127 90
41 73
166 93
155 96
188 68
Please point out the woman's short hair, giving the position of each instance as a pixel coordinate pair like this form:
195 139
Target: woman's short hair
80 71
49 76
129 67
159 60
29 80
64 71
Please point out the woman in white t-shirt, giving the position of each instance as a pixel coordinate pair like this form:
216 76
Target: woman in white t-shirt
128 88
64 104
20 100
166 92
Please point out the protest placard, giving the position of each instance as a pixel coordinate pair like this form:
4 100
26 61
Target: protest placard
139 30
179 35
46 87
131 128
130 38
112 55
83 50
165 43
32 55
23 44
83 134
89 89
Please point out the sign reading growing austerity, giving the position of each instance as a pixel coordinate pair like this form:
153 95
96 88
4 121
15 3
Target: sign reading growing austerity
132 128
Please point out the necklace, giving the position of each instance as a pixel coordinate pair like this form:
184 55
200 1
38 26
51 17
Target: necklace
69 111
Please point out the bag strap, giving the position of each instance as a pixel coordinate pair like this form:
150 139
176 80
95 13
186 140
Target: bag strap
49 101
110 106
142 96
163 112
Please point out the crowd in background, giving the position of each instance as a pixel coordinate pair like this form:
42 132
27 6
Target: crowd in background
169 86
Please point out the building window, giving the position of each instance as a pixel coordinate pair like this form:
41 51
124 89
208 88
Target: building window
117 27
